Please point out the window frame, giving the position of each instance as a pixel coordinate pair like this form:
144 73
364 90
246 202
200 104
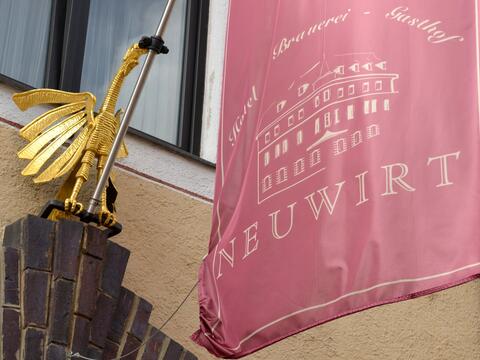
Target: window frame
65 53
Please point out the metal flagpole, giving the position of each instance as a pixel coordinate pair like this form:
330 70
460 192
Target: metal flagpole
97 195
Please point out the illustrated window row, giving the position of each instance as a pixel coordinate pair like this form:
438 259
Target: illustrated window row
299 167
300 114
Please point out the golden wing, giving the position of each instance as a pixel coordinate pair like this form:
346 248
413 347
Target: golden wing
48 132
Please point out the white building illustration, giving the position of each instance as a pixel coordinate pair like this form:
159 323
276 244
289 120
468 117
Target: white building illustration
314 119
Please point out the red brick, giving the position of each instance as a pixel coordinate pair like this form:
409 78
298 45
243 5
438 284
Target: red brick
110 350
154 345
94 352
95 242
81 334
132 347
11 334
12 235
190 356
35 298
103 318
61 307
86 293
120 316
11 263
174 351
56 352
37 241
34 344
67 249
140 322
115 264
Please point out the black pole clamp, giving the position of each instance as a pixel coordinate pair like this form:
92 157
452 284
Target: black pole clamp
84 216
154 43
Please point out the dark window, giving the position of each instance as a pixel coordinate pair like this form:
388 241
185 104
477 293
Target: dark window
77 45
24 29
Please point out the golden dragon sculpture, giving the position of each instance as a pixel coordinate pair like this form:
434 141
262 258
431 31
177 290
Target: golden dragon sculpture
88 137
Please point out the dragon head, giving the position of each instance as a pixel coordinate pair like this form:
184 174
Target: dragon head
130 60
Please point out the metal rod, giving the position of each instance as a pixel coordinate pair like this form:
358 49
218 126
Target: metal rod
97 195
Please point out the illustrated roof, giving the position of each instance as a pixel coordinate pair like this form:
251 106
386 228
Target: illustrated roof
340 66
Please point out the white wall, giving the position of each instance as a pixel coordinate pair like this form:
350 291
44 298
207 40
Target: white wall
214 78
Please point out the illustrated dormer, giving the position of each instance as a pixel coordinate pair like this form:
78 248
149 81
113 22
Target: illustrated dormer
303 89
281 106
368 66
382 65
340 70
355 67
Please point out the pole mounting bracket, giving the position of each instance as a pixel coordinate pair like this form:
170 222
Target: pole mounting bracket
154 43
84 216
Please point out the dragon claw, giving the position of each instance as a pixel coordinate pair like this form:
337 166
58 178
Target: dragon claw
107 218
73 206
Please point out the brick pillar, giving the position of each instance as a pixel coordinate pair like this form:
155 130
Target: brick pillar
61 293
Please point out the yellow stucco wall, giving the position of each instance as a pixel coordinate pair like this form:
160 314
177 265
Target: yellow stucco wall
167 233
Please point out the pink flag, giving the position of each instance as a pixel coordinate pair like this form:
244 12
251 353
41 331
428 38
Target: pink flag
348 164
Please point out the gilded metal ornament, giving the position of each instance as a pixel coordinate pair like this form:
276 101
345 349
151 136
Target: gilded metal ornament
91 137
